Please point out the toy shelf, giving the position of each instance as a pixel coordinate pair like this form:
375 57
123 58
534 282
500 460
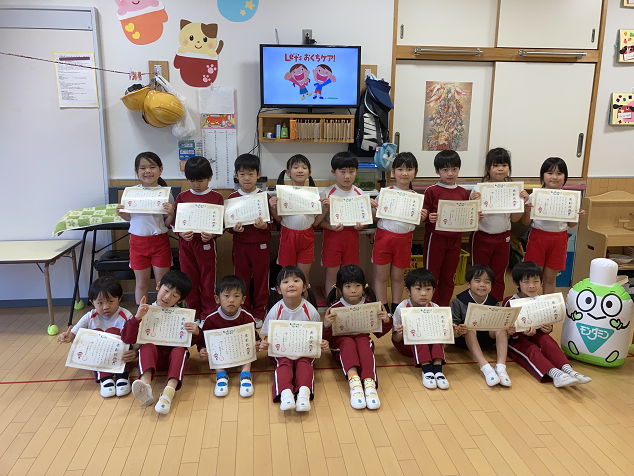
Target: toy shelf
322 127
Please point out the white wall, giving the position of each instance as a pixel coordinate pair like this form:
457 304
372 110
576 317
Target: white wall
612 152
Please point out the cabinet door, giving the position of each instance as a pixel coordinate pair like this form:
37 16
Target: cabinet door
409 109
460 23
538 111
549 24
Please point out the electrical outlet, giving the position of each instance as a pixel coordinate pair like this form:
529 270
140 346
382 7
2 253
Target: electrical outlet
304 33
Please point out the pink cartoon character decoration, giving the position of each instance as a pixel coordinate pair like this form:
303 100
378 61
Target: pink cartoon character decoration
299 76
141 20
197 56
323 76
622 108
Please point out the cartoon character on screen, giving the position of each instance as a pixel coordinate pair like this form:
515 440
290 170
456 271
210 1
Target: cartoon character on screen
599 313
197 53
142 21
300 76
323 76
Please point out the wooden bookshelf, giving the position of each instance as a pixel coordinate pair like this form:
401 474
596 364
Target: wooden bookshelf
328 123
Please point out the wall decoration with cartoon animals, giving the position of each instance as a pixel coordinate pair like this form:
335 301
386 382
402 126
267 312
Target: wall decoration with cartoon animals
197 55
142 21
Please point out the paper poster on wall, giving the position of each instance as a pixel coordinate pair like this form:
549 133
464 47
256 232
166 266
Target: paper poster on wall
221 149
447 115
216 100
197 56
628 3
76 80
142 21
626 46
186 150
622 111
238 10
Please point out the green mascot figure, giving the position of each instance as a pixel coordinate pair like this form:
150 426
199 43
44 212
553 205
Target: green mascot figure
599 314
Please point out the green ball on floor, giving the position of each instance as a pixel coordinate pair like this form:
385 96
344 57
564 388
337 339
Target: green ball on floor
53 330
79 305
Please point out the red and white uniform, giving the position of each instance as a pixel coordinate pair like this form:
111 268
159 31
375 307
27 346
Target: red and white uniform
157 357
547 243
538 353
421 352
149 243
287 370
219 320
198 259
251 258
442 248
297 240
355 350
112 325
340 247
393 242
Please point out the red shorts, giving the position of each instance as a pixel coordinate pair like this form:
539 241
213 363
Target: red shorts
340 247
547 248
392 248
296 246
152 250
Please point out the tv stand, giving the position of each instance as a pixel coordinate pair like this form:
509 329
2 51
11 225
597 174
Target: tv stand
323 127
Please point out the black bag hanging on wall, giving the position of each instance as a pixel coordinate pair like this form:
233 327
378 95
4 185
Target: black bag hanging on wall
371 127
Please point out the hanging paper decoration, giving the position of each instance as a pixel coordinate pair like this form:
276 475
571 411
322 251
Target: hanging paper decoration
238 10
622 112
197 56
142 22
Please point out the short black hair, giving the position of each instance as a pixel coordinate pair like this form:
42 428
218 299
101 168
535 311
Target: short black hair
177 280
406 159
198 168
230 283
477 271
550 165
496 156
247 162
289 272
447 158
106 285
526 269
420 277
343 160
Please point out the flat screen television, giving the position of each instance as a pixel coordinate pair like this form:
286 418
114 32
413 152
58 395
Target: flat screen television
309 76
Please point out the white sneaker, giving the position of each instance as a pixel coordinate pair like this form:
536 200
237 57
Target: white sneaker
258 323
163 405
565 380
302 404
582 378
246 387
502 375
429 381
441 381
372 398
108 388
287 400
142 392
123 387
357 398
222 386
490 376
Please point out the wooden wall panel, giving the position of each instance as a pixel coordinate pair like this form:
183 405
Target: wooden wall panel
599 185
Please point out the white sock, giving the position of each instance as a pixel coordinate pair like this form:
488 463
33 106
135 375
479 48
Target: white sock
553 373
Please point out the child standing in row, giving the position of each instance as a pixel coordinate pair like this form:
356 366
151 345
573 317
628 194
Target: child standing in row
251 242
230 295
297 237
173 288
341 244
108 316
420 285
149 243
491 244
534 349
442 248
356 352
548 240
291 284
480 279
197 251
392 252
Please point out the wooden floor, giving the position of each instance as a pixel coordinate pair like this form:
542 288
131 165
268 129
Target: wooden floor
53 420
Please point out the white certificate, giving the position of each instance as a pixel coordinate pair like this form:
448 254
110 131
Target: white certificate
501 197
360 319
539 311
145 199
166 326
458 216
427 325
97 351
490 318
297 200
246 209
231 347
400 205
350 210
295 339
199 217
556 205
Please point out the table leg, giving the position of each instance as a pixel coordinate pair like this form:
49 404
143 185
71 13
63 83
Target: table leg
49 298
73 257
76 290
92 259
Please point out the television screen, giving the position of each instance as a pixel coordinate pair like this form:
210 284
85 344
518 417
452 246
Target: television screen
309 75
